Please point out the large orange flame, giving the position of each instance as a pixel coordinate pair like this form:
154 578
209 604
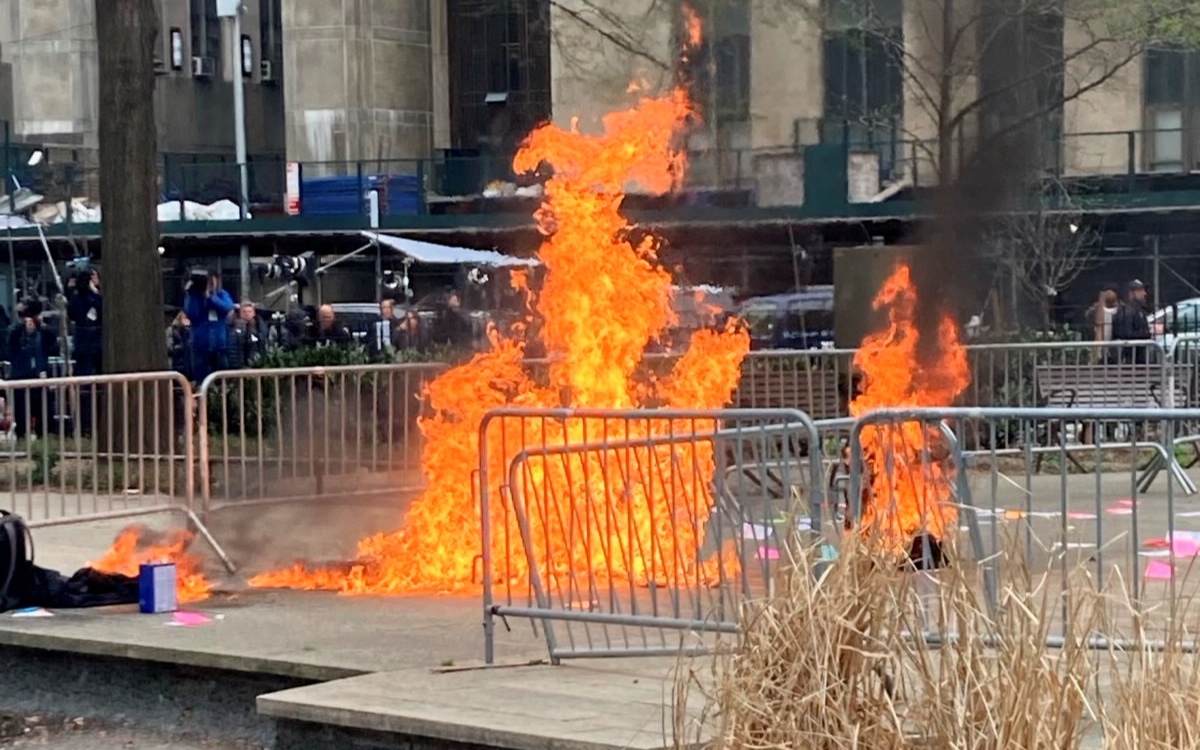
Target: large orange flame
130 551
909 494
603 300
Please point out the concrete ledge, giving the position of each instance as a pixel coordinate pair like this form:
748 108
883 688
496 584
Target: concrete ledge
530 708
47 641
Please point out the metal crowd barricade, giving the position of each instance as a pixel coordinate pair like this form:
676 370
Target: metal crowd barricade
1048 520
292 434
614 528
81 449
814 381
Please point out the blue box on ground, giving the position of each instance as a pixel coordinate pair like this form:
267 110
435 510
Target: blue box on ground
156 588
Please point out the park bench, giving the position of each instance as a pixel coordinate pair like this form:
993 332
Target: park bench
1113 386
1129 385
818 392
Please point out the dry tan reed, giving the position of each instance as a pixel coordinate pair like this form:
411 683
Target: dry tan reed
837 660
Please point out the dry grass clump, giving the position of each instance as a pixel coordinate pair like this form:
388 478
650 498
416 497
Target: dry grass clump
871 655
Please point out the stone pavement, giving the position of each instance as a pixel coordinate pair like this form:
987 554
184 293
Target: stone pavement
383 654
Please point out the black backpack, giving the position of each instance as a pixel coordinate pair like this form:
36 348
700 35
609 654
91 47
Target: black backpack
16 560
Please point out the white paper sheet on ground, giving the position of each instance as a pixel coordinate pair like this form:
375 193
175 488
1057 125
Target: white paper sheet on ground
1192 537
1188 514
756 532
32 612
1075 545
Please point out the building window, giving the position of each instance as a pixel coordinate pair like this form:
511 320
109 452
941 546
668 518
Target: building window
733 77
270 23
1165 76
206 32
1168 95
499 73
1167 141
864 75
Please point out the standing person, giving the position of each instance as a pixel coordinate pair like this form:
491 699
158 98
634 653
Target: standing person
1131 324
408 334
329 332
31 345
453 327
179 345
247 337
208 306
384 332
85 310
1098 321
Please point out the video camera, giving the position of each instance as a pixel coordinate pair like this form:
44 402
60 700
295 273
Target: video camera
197 279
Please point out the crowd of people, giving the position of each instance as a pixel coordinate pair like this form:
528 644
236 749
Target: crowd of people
214 332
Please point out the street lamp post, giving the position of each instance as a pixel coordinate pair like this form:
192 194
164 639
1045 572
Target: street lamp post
232 9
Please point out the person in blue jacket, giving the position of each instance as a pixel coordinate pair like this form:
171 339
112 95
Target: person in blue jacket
208 306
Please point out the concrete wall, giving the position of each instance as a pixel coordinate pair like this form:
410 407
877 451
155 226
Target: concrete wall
931 61
787 82
195 115
51 46
1114 105
590 73
358 79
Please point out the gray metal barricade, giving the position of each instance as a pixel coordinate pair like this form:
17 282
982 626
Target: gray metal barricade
280 435
1043 513
83 449
614 528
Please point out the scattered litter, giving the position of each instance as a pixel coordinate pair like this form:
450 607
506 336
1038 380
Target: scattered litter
1188 514
756 532
828 552
1077 515
1159 571
592 606
1127 503
768 553
1075 545
32 612
804 524
188 620
1119 510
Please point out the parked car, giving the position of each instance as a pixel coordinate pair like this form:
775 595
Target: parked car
796 320
1175 320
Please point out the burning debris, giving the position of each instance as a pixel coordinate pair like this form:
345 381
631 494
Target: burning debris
908 503
136 545
603 301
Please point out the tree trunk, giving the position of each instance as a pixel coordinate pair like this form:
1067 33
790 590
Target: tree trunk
132 417
134 327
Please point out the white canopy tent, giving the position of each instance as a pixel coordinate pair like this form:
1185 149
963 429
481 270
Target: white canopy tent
428 252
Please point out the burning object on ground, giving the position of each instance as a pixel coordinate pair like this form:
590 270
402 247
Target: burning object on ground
138 545
907 498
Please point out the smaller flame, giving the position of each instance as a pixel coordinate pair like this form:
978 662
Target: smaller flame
130 551
693 26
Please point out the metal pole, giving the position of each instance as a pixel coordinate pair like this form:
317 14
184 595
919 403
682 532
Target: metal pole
1156 241
239 110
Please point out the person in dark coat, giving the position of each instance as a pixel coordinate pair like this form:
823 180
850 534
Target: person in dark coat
247 337
179 345
31 345
1131 324
85 309
453 327
328 331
